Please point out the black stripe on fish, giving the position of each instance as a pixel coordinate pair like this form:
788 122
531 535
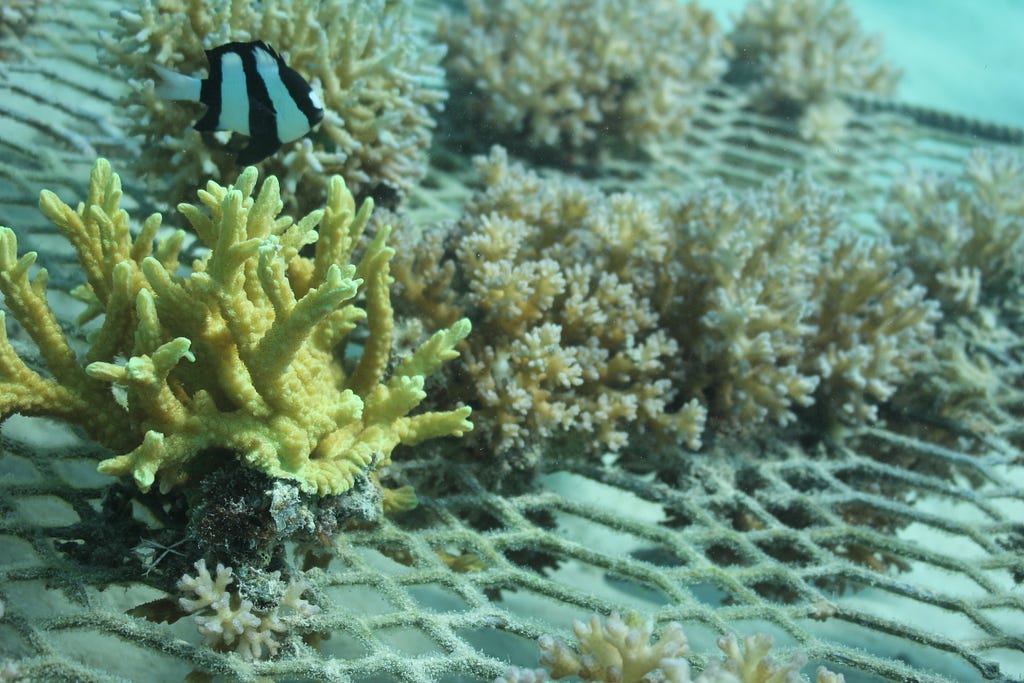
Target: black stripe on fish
263 134
209 94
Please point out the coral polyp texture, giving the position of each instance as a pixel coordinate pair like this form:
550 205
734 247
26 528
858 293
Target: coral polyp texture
780 305
615 319
804 54
964 236
578 73
619 650
241 355
556 279
379 79
230 622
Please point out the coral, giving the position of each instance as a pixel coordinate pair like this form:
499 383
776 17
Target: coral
744 272
782 306
380 82
557 279
609 319
619 650
228 621
749 661
805 54
263 330
874 328
823 123
580 73
963 237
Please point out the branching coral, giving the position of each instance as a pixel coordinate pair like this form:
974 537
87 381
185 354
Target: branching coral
874 328
619 650
261 329
805 53
610 318
380 82
557 282
580 72
780 306
616 649
964 237
744 269
229 621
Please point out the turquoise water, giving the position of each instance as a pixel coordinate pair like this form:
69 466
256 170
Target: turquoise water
963 56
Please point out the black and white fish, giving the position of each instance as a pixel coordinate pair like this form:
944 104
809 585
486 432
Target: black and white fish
249 90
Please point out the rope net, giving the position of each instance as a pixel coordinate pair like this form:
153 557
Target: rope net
889 553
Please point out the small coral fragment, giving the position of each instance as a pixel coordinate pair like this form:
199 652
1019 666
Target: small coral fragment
615 649
242 354
228 621
619 650
749 661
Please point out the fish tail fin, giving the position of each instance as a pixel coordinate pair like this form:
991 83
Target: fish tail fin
172 85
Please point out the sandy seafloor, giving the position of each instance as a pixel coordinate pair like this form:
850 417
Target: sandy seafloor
961 56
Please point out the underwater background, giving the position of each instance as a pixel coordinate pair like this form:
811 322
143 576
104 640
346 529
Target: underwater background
699 407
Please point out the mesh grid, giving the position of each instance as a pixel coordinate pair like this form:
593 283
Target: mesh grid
849 549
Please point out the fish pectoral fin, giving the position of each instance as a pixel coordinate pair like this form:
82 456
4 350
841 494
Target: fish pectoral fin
258 149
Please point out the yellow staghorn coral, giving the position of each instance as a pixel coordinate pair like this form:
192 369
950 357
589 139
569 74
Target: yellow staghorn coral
260 327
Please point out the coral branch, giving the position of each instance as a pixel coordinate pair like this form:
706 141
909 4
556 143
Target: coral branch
258 324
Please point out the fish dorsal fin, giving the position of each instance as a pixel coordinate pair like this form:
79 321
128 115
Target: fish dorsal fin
270 50
239 48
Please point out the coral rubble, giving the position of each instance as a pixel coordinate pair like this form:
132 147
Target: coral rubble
579 73
380 82
243 354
